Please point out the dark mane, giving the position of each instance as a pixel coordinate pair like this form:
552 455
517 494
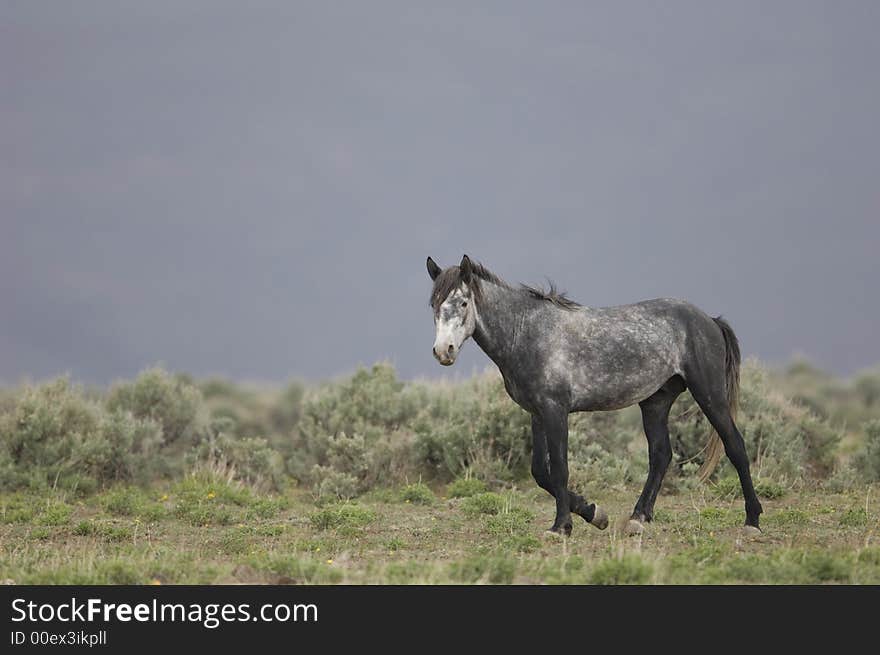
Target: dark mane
551 295
450 278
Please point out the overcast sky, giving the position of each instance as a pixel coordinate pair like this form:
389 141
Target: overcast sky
250 189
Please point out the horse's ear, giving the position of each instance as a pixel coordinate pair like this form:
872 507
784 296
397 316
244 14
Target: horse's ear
433 269
466 269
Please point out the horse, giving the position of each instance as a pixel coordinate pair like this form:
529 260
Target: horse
557 357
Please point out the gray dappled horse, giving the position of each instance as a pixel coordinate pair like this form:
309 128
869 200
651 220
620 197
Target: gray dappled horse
558 357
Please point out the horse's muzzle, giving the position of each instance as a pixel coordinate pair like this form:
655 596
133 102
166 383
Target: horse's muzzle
445 357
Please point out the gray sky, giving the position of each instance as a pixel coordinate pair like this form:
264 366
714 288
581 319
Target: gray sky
251 189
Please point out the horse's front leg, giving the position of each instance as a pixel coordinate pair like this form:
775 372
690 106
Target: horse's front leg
542 471
555 428
555 425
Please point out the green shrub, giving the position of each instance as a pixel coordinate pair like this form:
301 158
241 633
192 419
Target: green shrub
204 514
869 556
17 508
328 483
94 572
372 431
55 513
56 435
473 426
287 409
370 403
731 486
465 487
629 569
591 466
497 569
417 493
153 512
854 517
209 498
248 459
171 402
236 541
132 501
408 572
822 566
867 459
343 515
215 485
513 522
243 409
843 402
111 532
265 508
85 529
485 503
521 543
843 478
614 432
295 570
790 517
769 489
357 428
788 442
123 502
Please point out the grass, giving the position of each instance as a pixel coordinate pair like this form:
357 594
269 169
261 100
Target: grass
205 530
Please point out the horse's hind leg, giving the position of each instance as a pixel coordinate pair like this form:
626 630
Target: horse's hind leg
550 470
711 396
655 419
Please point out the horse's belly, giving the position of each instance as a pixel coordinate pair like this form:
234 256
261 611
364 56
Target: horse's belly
616 389
612 398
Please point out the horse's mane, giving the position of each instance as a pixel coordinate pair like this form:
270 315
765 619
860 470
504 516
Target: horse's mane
450 279
551 295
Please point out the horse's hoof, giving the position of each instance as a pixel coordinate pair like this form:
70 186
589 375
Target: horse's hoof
600 518
751 531
633 527
563 530
555 534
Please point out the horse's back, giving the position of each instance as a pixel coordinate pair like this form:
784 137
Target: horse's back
613 357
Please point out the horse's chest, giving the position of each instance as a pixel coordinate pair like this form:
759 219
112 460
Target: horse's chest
518 392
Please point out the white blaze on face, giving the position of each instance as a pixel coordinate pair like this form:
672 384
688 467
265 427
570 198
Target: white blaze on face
454 321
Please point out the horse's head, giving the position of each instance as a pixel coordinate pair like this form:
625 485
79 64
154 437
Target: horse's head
453 302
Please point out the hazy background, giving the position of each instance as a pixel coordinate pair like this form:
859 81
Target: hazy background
251 189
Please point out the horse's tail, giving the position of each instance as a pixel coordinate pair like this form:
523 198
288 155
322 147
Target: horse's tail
731 370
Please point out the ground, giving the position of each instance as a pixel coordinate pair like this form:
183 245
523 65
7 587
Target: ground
206 530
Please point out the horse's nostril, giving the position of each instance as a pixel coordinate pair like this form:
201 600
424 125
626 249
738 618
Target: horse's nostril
451 349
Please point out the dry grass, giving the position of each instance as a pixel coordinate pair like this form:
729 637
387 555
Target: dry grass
209 530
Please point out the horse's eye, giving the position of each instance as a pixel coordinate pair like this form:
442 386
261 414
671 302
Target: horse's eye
464 304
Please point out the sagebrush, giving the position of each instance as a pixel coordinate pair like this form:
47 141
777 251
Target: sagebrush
373 430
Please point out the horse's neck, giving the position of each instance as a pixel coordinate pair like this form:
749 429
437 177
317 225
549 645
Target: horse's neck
500 316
